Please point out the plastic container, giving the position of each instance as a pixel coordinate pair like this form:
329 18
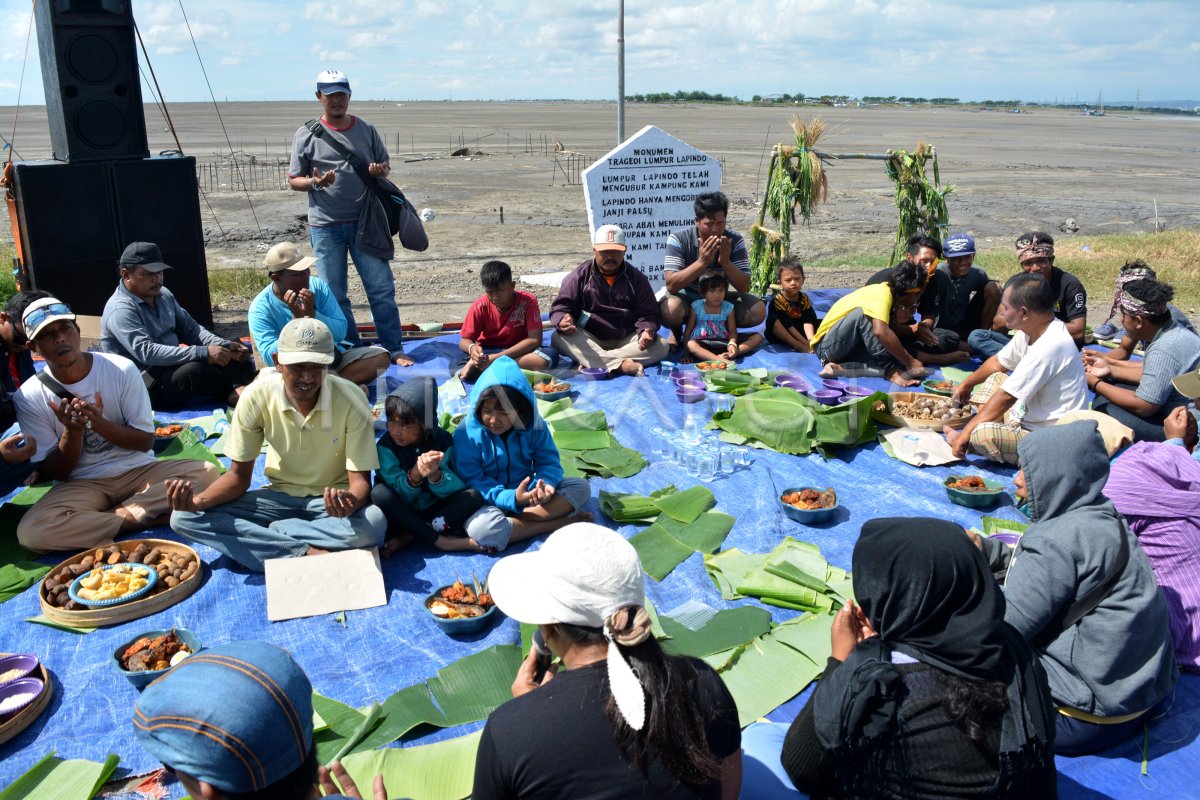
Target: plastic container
594 374
795 386
688 380
1009 539
142 679
21 686
24 663
743 456
220 421
689 394
807 516
790 377
461 625
826 397
151 579
963 497
708 467
729 459
839 386
692 461
859 391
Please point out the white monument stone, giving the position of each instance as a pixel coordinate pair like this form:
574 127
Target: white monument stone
646 185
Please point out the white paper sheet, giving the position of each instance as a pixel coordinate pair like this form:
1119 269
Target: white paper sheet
313 585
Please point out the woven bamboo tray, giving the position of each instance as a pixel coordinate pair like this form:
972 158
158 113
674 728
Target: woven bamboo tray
27 715
888 418
162 596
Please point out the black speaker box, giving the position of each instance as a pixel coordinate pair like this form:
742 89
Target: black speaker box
90 71
75 219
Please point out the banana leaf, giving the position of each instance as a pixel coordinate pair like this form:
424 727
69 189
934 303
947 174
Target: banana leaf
403 711
581 439
534 377
54 778
1000 525
784 593
551 409
779 418
42 619
185 446
704 535
688 505
728 628
799 562
730 567
576 420
765 675
16 578
472 687
659 551
632 507
731 381
440 771
615 460
810 634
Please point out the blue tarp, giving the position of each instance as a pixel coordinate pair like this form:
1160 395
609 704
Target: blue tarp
378 651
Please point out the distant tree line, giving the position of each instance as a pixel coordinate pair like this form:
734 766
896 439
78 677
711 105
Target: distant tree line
680 97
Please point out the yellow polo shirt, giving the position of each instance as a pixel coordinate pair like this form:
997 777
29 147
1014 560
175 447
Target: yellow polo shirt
875 300
304 454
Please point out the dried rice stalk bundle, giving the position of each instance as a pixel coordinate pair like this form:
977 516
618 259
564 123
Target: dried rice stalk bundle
921 204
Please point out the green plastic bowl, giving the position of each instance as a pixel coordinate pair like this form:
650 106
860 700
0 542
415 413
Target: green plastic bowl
974 499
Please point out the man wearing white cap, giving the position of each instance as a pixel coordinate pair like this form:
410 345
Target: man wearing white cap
336 194
322 451
89 415
294 294
605 314
622 718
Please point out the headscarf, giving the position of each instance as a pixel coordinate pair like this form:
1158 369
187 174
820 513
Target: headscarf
929 593
1034 249
1128 274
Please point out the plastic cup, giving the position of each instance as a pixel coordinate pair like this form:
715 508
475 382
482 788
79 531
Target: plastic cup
743 456
729 458
708 467
692 462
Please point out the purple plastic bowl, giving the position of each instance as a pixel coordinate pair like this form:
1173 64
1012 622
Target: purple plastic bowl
859 391
594 373
30 686
689 394
846 398
788 377
25 663
838 386
1006 538
826 397
795 386
686 380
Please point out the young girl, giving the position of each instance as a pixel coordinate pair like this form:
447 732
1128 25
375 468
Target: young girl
416 487
711 332
505 453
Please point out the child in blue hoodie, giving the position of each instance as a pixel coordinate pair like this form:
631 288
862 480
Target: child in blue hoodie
416 487
504 451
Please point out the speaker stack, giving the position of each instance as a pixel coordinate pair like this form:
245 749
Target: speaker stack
103 191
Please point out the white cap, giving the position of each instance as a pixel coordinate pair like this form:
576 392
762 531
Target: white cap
332 81
44 312
609 237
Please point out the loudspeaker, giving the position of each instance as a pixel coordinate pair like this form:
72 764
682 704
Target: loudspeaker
157 200
68 229
75 219
90 71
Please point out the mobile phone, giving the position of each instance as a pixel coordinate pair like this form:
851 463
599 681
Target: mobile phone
544 656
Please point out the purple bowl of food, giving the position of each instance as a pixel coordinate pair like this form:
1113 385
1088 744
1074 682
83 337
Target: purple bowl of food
826 397
594 373
691 380
837 386
690 394
17 694
15 667
859 391
795 386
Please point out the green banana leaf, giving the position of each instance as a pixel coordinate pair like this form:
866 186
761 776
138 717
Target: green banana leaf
766 674
732 381
581 439
576 420
472 687
688 505
659 551
705 534
810 634
621 507
615 459
728 628
534 377
731 567
42 619
54 778
779 418
1000 525
440 771
16 578
185 446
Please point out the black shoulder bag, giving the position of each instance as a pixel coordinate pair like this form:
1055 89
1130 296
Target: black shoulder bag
402 218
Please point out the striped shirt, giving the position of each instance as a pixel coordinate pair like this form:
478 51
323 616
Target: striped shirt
1167 528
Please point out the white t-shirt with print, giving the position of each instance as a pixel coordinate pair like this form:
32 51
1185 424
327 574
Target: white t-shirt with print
126 402
1047 377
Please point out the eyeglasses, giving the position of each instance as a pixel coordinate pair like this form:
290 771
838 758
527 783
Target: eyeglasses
40 315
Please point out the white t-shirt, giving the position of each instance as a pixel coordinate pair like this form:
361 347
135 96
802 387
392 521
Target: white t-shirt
1047 377
126 402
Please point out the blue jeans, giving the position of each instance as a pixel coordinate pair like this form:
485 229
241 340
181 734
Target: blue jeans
763 777
330 245
265 523
985 343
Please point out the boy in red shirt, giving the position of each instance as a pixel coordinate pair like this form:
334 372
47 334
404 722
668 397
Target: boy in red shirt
504 322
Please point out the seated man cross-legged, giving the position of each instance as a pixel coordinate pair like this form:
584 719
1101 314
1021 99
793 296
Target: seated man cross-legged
90 416
321 450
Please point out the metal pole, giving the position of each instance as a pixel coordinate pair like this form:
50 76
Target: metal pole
620 71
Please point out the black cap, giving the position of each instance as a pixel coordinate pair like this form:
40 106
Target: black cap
145 255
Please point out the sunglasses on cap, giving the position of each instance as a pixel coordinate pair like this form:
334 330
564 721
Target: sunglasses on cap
40 315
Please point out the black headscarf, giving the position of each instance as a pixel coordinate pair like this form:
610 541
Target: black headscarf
929 593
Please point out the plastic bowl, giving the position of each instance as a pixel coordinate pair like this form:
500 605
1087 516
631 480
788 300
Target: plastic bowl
462 625
553 395
974 499
27 685
1010 539
25 663
690 380
806 516
791 380
594 373
859 391
151 579
838 386
690 394
826 397
141 680
795 386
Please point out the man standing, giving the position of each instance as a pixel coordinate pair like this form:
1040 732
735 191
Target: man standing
1046 383
605 314
1035 254
335 197
321 450
293 294
89 414
708 245
16 367
144 322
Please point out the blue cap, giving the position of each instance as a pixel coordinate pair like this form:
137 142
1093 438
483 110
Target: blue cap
958 244
238 716
333 81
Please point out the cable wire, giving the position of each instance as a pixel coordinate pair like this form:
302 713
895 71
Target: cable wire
17 111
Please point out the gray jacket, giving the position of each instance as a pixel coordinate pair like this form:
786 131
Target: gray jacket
1118 658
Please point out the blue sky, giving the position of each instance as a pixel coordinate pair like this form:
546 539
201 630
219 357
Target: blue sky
529 49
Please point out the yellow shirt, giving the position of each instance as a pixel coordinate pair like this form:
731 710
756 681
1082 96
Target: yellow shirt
875 301
304 454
